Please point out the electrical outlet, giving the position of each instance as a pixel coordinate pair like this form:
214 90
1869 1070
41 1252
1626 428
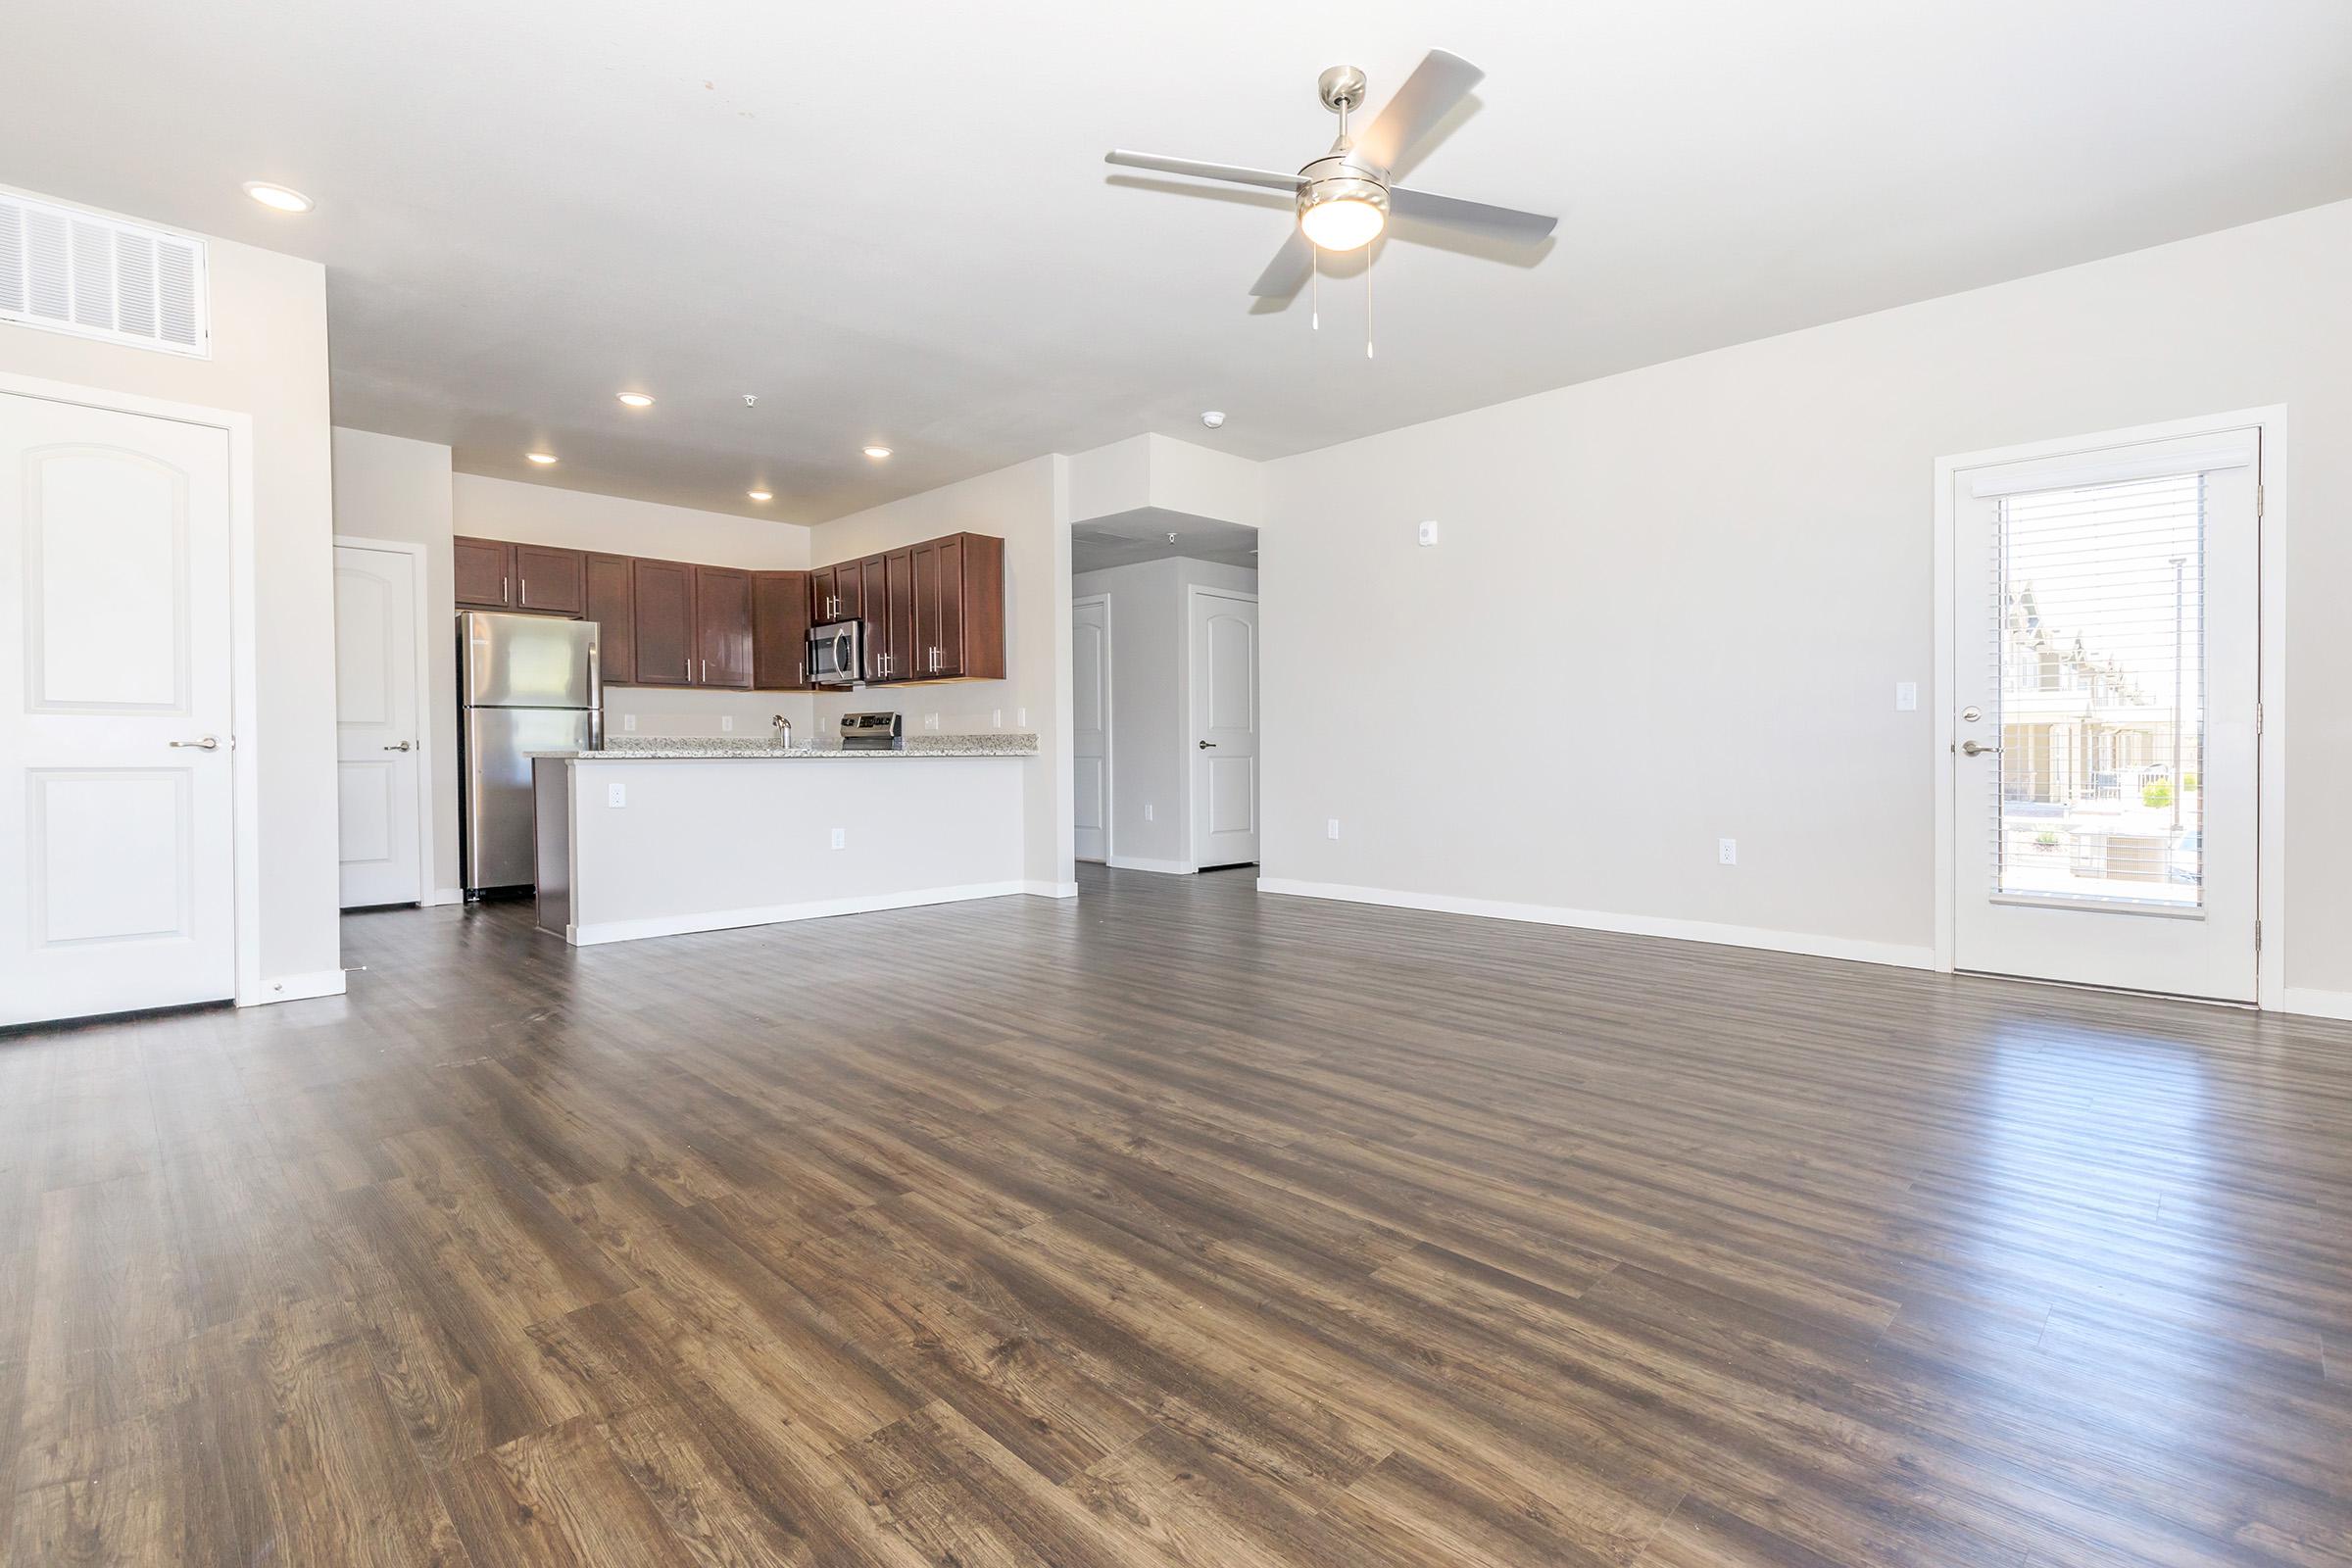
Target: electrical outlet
1147 811
628 722
1331 829
616 794
1906 695
1727 851
726 724
930 721
840 838
1000 719
1428 534
1020 719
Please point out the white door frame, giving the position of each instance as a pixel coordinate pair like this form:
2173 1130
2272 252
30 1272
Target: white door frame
1192 593
1111 742
244 739
2271 535
424 703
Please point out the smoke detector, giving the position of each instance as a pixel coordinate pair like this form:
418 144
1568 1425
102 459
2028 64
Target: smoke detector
1214 419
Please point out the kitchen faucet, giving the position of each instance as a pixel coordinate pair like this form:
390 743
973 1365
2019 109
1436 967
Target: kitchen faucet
783 735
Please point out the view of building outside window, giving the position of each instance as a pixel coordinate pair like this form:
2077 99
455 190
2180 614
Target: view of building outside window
2102 703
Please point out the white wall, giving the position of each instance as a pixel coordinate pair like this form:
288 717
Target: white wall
1027 506
1686 595
1151 684
268 362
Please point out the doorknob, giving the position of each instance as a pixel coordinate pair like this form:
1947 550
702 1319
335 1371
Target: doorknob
211 743
402 746
1971 749
1206 745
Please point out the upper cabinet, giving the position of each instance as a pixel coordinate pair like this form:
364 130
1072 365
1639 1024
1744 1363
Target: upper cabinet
612 605
722 627
662 622
485 574
781 603
551 580
932 612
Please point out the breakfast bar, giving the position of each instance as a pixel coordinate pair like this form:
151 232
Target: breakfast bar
646 838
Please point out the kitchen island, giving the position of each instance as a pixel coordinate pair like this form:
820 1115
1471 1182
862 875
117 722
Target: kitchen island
649 838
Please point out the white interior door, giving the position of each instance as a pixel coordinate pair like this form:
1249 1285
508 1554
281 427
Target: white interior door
1223 650
1090 707
2105 638
378 734
117 881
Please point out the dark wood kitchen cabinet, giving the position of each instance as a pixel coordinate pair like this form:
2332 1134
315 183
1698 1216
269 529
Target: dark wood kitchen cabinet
958 627
834 593
612 605
722 627
897 576
662 622
550 580
484 569
780 609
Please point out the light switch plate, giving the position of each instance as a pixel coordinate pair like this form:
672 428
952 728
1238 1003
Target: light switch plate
1906 695
1147 812
1331 827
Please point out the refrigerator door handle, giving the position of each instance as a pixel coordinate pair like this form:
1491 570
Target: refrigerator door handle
595 701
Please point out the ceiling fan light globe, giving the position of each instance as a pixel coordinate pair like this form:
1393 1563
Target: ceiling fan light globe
1346 225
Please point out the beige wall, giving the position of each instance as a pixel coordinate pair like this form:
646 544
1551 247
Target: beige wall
268 362
1027 506
1678 600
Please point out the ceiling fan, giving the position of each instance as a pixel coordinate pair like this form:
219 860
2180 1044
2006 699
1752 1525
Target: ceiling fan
1346 196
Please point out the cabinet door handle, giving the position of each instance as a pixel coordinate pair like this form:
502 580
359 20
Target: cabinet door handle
525 597
501 587
705 672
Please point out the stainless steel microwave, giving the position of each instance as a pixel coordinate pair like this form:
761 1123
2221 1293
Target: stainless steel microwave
837 654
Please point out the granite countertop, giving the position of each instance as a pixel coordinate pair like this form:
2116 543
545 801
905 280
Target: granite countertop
697 748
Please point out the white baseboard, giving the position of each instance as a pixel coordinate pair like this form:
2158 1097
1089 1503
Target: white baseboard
672 925
1637 925
2316 1003
1050 890
296 988
1136 862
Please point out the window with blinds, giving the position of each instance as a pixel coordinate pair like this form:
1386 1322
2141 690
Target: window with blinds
68 270
2101 692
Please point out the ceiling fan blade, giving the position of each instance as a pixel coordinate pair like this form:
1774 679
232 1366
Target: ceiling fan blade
1439 82
1287 272
1476 218
1230 172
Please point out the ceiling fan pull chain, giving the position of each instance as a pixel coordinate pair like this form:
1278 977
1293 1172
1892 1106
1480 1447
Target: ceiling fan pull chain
1367 301
1314 289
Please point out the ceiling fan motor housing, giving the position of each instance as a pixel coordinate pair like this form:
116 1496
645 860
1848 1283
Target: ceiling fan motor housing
1339 177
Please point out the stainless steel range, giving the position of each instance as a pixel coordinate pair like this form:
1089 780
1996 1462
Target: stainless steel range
873 732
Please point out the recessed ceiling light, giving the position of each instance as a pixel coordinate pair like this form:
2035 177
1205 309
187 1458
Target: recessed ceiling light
541 457
761 495
877 453
637 400
277 196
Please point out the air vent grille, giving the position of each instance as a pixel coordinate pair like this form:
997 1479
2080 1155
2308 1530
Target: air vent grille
75 271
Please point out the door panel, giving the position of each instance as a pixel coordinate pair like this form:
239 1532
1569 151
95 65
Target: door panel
485 574
379 777
550 580
927 656
953 590
1090 726
499 743
612 604
905 658
663 591
118 844
2105 629
780 630
873 608
722 618
1223 675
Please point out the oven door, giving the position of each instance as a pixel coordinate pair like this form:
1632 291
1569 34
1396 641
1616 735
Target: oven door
837 654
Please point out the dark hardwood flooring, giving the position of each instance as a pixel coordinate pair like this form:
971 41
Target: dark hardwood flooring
1175 1225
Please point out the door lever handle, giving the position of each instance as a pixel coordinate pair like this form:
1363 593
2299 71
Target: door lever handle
402 746
211 743
1973 748
1206 745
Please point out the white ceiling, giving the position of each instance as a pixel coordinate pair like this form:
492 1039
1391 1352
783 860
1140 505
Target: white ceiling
892 220
1143 534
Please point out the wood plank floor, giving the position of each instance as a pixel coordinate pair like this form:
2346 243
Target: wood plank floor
1175 1225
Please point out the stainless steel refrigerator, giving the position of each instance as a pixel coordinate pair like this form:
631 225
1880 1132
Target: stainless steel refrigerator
525 684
